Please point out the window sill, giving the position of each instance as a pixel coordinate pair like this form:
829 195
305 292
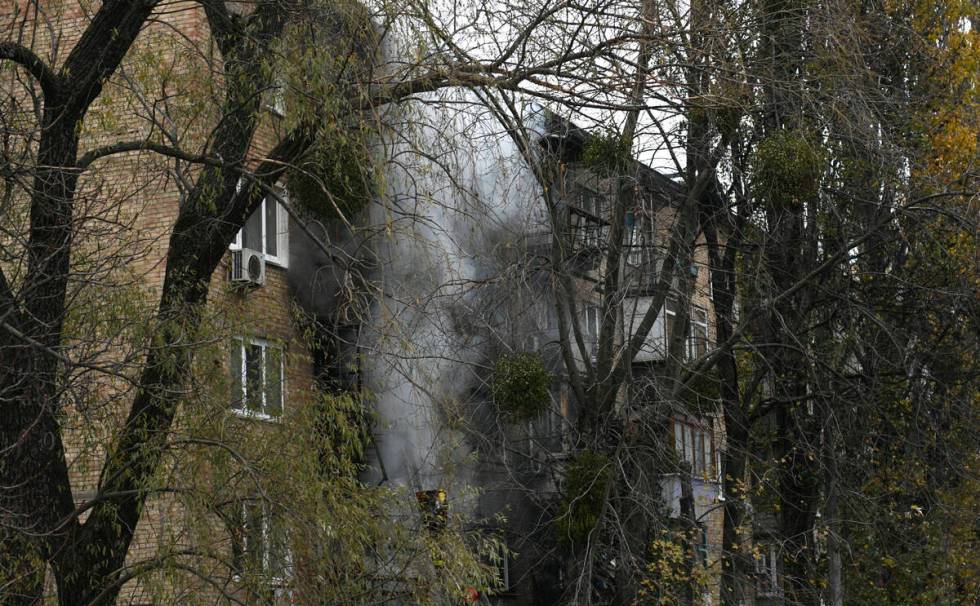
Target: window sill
273 582
695 477
281 264
256 416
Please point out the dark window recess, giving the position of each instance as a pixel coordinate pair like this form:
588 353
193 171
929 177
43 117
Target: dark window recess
271 228
253 377
252 232
702 546
500 561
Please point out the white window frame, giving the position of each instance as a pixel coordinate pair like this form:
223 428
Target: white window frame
670 312
265 345
276 580
634 257
697 319
545 426
530 446
694 319
281 258
696 438
277 97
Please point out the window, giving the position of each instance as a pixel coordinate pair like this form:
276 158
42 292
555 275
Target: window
592 325
267 231
544 436
694 444
767 580
670 312
586 230
634 257
588 201
697 341
500 560
585 220
257 378
261 544
532 341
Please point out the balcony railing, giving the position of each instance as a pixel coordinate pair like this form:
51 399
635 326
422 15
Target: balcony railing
640 271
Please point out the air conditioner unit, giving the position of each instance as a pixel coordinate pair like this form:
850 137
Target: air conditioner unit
247 267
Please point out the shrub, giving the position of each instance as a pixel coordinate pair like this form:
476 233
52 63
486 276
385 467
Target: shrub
520 385
584 489
786 168
606 155
666 575
333 178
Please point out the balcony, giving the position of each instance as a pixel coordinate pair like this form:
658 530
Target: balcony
584 237
640 272
654 346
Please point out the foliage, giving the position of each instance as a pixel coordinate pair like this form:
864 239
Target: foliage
607 155
333 179
860 305
348 543
583 496
917 461
520 385
670 573
786 168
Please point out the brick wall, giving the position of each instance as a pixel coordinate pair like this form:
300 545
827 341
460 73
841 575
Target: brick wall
126 205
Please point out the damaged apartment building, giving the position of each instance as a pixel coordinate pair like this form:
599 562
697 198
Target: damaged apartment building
461 276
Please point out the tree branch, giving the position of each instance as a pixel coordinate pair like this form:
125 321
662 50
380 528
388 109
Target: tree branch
205 225
49 80
142 145
8 304
101 48
224 25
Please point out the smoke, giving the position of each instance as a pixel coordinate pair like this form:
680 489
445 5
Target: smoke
433 254
457 198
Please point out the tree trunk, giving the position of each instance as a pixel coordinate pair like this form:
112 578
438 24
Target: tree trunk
689 519
835 589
